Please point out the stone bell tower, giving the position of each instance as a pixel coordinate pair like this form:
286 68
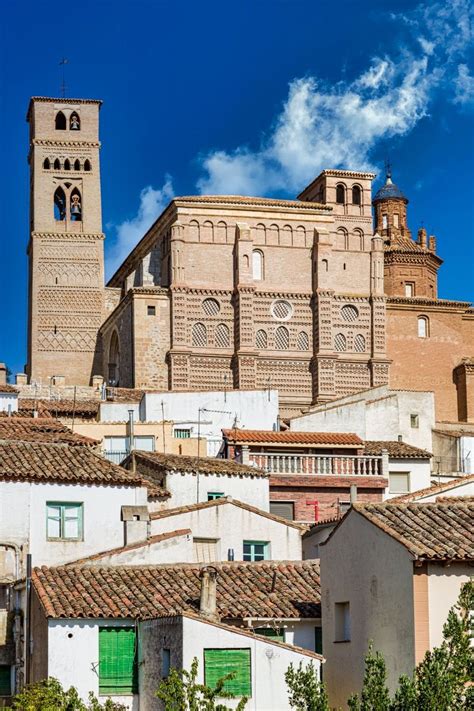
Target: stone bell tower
65 251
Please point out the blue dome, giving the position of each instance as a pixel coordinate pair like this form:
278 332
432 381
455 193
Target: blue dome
389 191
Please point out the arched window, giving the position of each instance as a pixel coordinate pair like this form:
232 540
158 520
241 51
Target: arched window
46 164
257 265
384 222
340 194
358 239
87 165
359 343
325 265
114 360
261 340
222 339
77 164
302 342
282 338
339 342
74 122
356 195
211 307
423 327
60 121
67 164
342 238
59 204
57 164
199 335
75 207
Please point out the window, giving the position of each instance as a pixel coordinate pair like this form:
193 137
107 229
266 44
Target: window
344 507
423 327
87 165
356 195
67 164
318 640
213 495
399 482
118 669
342 621
409 288
211 307
60 121
5 680
302 341
384 222
77 164
146 443
282 310
165 663
57 164
4 596
181 433
219 662
64 521
285 509
282 338
151 310
257 265
340 342
74 122
349 313
205 550
359 343
75 206
396 219
340 194
222 338
256 550
414 421
46 164
278 634
199 335
59 203
261 339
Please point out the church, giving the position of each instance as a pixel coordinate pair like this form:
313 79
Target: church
320 296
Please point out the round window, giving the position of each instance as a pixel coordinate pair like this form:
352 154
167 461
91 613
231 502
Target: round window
349 313
211 307
281 310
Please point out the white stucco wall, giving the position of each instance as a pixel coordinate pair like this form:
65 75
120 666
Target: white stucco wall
8 401
466 444
118 411
23 518
231 525
444 586
376 414
178 549
253 409
192 489
419 471
363 566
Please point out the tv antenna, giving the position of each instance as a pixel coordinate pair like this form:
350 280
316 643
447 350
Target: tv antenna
62 64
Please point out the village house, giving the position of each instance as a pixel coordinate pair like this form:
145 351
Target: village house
123 628
8 398
390 573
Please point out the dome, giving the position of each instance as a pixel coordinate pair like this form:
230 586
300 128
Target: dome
389 191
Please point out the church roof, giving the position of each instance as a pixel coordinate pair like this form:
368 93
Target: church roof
389 191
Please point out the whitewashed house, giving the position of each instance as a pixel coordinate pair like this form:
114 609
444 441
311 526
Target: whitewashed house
8 398
409 467
118 631
390 573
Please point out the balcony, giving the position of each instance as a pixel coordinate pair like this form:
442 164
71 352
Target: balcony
322 465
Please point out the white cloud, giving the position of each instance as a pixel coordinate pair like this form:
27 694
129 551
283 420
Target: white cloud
464 86
129 233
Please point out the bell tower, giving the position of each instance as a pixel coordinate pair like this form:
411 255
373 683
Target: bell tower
65 250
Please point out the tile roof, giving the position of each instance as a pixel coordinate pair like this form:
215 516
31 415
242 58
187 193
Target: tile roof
84 409
270 589
7 388
337 439
133 546
158 515
39 429
47 462
170 463
395 449
435 531
433 490
252 201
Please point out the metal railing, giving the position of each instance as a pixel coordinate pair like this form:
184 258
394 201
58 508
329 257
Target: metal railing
325 465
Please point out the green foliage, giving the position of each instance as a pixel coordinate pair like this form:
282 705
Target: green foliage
305 691
49 695
180 692
374 695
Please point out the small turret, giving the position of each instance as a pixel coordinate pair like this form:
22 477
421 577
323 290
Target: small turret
390 206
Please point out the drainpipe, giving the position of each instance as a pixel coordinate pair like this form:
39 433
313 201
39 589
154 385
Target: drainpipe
28 619
131 432
17 611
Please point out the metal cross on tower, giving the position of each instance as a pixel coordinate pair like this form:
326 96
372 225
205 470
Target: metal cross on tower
62 64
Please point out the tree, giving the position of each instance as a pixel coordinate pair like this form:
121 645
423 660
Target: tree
180 692
305 691
49 695
374 695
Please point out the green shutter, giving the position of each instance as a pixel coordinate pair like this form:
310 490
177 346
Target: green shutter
219 662
318 640
117 660
277 634
5 680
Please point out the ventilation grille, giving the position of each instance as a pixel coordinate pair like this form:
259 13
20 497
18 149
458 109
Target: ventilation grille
222 336
282 310
302 341
359 343
282 338
211 307
340 342
349 313
199 335
261 339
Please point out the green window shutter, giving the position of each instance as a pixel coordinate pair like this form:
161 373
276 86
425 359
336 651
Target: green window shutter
219 662
117 661
277 634
318 640
5 680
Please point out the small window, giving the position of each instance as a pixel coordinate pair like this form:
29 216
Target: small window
222 336
211 307
414 421
75 206
282 338
302 341
77 164
74 122
349 313
342 621
399 482
57 164
87 165
151 310
220 662
356 195
396 219
340 195
5 680
257 265
318 640
64 521
46 164
423 327
384 221
4 597
285 509
182 433
339 342
205 550
359 343
165 663
60 121
277 634
256 550
261 340
213 495
344 506
59 204
67 164
409 288
118 668
199 335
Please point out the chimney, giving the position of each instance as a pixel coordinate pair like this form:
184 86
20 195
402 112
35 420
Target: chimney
432 243
230 554
353 494
422 237
3 374
135 524
400 438
208 601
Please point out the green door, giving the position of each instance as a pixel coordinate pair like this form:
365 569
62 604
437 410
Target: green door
117 661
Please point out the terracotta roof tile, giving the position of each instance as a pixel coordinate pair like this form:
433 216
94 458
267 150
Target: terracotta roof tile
396 450
270 589
170 463
289 437
41 462
433 490
133 546
253 201
38 429
7 388
435 531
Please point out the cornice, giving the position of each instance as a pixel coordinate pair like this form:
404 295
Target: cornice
65 144
200 292
69 235
148 290
417 302
300 296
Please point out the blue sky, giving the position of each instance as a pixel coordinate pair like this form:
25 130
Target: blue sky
249 96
